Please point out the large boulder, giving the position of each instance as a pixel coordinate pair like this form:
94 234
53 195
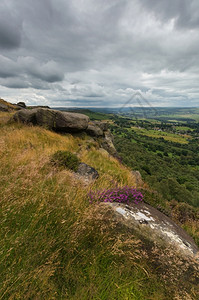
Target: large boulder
53 119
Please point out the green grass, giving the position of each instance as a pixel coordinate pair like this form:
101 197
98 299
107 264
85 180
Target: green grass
54 245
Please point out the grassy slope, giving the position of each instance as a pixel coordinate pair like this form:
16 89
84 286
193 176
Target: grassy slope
54 245
10 105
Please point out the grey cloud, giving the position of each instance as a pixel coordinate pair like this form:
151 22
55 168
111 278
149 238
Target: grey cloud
8 67
10 27
14 83
184 12
99 52
93 95
49 71
10 37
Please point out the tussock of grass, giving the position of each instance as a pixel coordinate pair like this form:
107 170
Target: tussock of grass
53 244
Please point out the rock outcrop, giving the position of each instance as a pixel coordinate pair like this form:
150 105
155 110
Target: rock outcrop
155 226
53 119
62 121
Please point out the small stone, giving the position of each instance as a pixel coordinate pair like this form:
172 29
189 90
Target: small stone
87 171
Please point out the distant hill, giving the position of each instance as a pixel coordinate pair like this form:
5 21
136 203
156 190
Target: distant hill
92 114
189 114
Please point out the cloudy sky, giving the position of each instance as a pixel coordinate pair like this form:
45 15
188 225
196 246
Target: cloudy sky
99 52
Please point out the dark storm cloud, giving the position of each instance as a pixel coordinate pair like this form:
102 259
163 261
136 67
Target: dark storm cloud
99 52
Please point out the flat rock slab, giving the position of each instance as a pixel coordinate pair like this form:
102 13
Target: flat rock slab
156 225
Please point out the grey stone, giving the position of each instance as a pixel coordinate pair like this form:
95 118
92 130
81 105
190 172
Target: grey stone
87 171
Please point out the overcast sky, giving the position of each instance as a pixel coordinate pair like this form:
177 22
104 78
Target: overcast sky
99 52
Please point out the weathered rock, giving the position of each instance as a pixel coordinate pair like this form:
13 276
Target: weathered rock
97 128
138 178
27 116
87 172
107 143
21 104
94 130
102 125
155 226
53 119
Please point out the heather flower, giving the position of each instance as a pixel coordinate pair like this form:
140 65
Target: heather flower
124 194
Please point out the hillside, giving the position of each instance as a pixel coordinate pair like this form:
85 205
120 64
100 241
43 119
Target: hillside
6 106
56 245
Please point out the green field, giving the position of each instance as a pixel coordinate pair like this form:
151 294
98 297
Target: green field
165 135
